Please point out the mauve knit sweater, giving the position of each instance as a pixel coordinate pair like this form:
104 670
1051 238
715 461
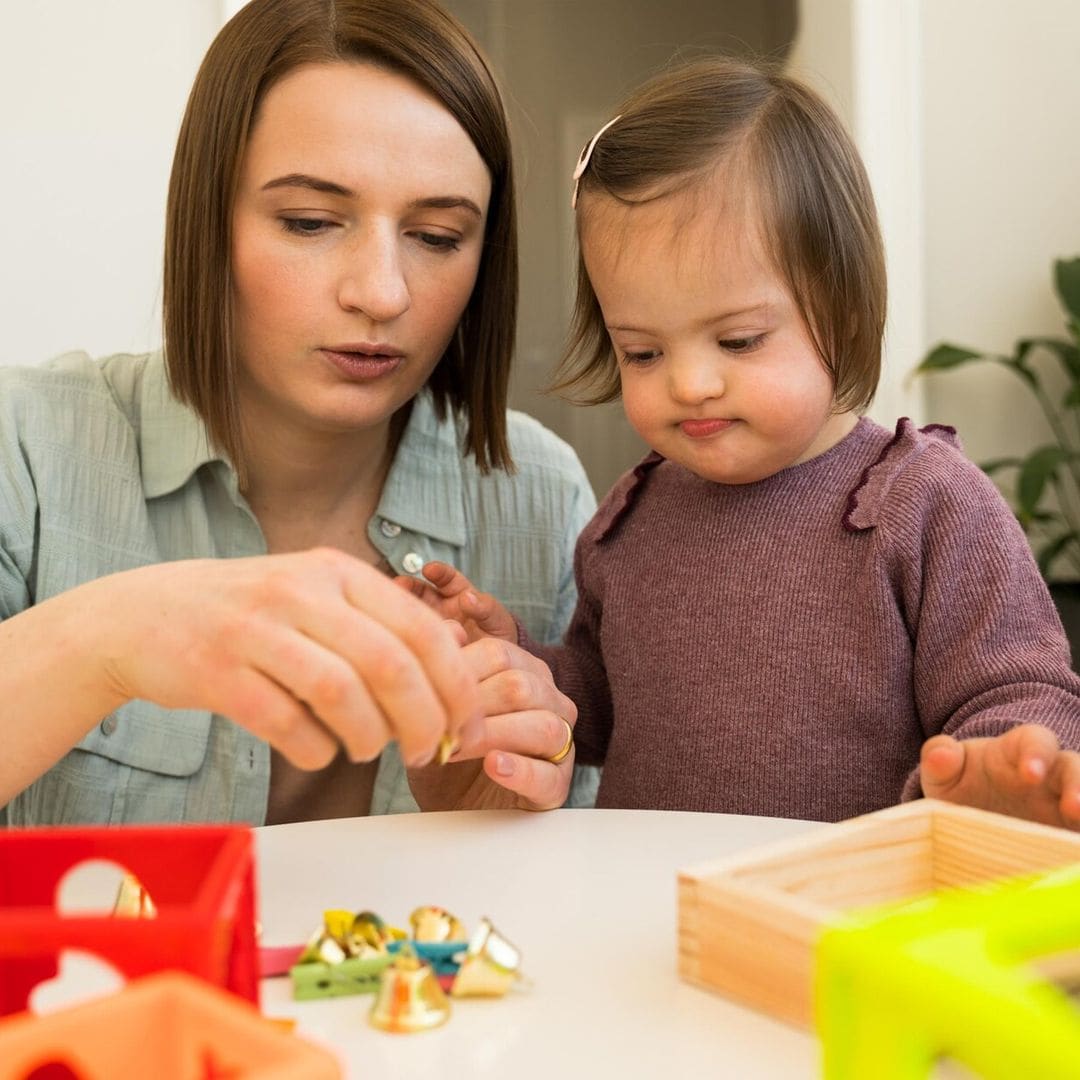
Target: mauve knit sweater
785 647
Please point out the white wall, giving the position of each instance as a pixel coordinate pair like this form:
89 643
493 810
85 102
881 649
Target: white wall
91 95
1002 191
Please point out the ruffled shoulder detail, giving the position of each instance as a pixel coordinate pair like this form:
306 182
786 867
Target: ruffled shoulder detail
621 497
903 449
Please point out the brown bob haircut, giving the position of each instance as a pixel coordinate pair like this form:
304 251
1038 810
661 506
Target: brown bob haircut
809 187
262 43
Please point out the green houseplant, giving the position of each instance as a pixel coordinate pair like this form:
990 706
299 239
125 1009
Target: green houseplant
1052 523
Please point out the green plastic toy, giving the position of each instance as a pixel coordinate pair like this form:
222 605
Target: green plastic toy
354 975
947 976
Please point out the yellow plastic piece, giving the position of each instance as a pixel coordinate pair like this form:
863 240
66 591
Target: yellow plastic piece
948 976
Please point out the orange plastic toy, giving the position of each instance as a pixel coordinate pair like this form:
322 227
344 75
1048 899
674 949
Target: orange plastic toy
201 880
167 1026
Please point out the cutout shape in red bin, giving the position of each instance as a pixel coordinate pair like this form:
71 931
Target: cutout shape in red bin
202 882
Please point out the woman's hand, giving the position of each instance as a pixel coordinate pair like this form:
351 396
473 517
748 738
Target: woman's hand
1024 773
309 651
454 597
504 758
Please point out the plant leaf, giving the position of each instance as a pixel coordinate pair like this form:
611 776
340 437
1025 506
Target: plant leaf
946 356
1067 283
997 464
1036 470
1018 365
1067 353
1042 518
1052 549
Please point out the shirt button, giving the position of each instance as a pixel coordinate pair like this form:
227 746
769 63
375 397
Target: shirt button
389 529
108 725
412 563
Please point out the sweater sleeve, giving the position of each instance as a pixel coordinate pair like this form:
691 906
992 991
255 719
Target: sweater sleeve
989 649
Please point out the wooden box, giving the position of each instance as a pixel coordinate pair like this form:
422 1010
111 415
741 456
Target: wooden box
748 924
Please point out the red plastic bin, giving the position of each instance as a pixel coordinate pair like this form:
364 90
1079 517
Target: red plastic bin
200 878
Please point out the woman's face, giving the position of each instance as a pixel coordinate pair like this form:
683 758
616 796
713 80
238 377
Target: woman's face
357 234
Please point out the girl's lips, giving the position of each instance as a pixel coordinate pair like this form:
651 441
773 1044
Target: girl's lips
700 429
363 365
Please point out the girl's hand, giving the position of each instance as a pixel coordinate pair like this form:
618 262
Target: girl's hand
1024 773
309 651
503 760
453 596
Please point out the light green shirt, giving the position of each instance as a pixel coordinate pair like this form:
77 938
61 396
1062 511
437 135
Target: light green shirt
102 470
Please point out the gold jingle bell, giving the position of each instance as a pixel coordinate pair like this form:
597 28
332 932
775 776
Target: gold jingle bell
410 997
369 935
132 900
436 924
491 965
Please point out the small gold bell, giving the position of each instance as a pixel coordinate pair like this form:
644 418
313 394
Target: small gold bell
133 901
409 998
491 965
436 924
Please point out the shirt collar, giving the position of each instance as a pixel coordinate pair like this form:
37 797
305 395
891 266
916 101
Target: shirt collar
173 440
423 492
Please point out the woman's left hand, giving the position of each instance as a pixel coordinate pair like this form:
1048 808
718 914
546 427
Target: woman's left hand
503 761
1024 773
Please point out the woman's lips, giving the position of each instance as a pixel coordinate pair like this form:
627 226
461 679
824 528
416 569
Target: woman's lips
364 364
700 429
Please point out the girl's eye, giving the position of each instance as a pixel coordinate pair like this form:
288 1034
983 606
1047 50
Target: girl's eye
742 345
301 226
437 242
639 359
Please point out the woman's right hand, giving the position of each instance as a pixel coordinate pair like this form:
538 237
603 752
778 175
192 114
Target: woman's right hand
309 651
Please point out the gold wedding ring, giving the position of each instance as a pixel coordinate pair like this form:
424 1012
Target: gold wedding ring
555 759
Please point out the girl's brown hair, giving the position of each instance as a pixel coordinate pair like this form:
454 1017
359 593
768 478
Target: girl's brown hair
263 42
810 189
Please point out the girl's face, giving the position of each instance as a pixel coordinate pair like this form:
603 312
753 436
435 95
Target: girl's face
717 367
357 234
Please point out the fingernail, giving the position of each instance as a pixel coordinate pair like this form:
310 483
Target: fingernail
421 760
504 765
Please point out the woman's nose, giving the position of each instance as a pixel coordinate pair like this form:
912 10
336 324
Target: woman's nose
372 279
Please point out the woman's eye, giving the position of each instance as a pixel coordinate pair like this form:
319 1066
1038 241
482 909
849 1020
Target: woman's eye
301 226
437 241
742 345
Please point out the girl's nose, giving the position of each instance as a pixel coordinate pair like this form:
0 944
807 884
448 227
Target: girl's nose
693 379
372 279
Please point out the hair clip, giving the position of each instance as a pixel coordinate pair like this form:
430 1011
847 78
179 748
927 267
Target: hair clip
583 161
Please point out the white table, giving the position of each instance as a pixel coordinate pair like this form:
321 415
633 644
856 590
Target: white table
588 896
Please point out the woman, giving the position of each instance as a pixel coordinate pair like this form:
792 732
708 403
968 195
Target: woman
196 584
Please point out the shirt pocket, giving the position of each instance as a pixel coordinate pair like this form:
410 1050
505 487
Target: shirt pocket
145 736
139 765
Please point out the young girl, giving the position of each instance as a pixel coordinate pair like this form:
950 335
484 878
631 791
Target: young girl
785 609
